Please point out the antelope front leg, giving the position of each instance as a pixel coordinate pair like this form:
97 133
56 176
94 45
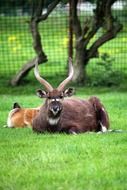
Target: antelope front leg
73 131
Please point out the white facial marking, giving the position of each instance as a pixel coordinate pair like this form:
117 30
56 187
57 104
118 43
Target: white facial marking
57 100
53 121
55 112
52 100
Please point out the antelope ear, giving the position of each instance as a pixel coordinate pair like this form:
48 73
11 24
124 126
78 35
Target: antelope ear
69 92
16 105
41 94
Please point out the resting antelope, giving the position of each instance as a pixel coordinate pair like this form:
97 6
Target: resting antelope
69 115
21 117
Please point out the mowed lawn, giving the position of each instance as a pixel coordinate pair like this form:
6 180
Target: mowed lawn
86 161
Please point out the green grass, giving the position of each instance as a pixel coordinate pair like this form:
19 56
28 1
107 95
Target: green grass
59 161
87 161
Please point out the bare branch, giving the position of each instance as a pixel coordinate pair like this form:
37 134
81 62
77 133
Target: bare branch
96 22
112 26
86 27
24 71
103 39
37 8
49 10
37 39
91 33
76 22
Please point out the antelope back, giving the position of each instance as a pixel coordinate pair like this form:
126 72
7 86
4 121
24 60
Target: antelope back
21 117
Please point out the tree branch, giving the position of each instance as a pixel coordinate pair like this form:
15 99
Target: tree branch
90 35
37 44
75 20
103 39
86 27
97 21
37 8
49 10
102 18
24 70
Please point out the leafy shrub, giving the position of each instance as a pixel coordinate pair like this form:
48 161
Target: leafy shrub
104 73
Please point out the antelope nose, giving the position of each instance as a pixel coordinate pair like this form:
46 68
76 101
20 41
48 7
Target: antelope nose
55 108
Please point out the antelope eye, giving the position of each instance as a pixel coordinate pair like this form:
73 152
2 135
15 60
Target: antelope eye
61 96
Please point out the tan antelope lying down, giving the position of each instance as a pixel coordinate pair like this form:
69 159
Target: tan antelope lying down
69 115
21 117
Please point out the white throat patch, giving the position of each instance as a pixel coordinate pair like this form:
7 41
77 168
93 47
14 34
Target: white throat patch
53 121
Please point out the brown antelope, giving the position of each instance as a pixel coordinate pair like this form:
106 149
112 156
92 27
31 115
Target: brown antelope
21 117
69 115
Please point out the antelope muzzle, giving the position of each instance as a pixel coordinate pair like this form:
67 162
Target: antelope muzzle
55 108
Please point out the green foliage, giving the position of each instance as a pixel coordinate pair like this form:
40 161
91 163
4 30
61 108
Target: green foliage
105 74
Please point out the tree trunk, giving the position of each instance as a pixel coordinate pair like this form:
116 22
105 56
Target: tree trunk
36 18
79 69
84 32
80 63
25 70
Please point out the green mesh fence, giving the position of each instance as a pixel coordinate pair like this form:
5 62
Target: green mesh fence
16 40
